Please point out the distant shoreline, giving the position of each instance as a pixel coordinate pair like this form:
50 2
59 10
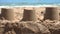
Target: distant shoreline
30 6
21 4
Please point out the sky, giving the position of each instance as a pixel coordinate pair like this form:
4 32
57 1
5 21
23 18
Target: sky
30 1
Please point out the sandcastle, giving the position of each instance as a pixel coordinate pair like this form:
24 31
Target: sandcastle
52 13
8 13
29 23
29 15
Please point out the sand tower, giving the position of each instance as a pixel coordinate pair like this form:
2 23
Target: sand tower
29 15
52 13
7 13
